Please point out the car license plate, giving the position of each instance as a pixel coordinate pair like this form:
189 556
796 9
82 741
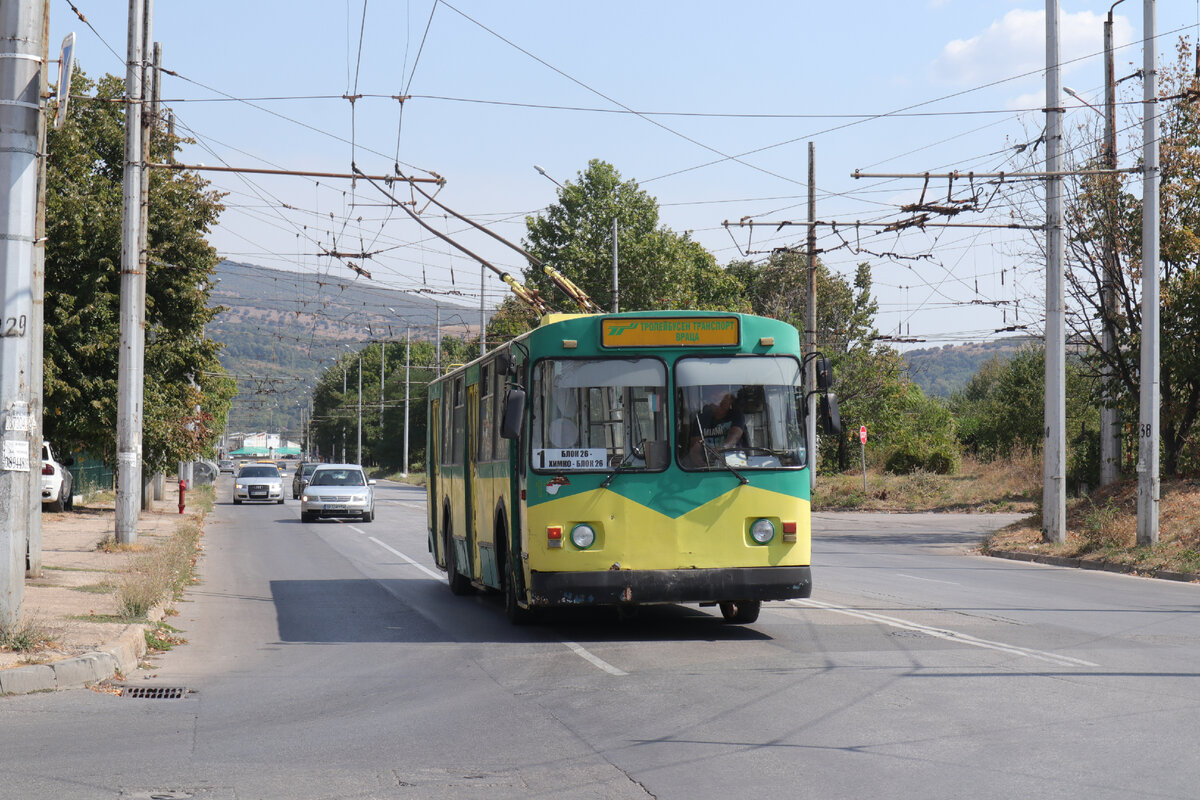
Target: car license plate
258 492
335 506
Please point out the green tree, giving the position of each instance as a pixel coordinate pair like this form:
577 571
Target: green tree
186 395
1001 411
1101 206
658 268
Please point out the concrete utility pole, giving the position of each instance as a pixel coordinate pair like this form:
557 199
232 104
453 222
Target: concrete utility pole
21 32
359 460
810 336
131 357
1054 451
33 530
407 362
616 288
1110 425
1148 421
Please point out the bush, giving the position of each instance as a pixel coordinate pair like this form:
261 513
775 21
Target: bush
905 461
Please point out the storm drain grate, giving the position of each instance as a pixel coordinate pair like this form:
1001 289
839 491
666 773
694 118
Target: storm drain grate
154 692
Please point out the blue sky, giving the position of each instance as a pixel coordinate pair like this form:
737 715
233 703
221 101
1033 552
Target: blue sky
499 87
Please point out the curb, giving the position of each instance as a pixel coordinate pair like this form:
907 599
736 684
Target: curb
78 672
1102 566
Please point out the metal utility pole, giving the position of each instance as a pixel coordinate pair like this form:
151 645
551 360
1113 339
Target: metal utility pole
810 336
149 84
616 289
21 31
382 362
482 312
1110 426
131 357
1148 421
1054 451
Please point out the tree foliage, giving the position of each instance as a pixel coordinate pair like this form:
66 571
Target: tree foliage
658 268
186 396
1104 208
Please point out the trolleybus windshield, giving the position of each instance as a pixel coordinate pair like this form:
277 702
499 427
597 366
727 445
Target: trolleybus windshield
740 412
596 414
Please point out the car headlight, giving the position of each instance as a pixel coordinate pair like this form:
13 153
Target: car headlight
583 536
762 531
239 486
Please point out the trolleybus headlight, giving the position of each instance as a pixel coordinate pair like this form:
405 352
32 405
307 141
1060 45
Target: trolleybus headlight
762 531
583 536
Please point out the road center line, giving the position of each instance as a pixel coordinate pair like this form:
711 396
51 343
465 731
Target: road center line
948 635
577 649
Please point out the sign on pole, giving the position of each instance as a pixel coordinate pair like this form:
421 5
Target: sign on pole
862 438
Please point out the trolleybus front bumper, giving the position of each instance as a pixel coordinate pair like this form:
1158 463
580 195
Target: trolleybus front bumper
614 587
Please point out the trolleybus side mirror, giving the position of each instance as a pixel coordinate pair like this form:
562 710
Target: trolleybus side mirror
830 417
824 374
514 412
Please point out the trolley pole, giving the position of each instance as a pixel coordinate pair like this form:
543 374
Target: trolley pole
21 27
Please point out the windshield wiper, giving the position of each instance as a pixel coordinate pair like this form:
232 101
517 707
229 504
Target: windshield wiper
620 467
720 458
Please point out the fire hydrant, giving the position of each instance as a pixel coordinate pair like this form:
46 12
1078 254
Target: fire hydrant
182 491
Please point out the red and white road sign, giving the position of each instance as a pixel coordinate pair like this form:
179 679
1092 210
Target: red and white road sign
862 434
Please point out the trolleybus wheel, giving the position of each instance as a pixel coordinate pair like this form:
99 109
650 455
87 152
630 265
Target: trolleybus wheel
459 584
742 612
512 609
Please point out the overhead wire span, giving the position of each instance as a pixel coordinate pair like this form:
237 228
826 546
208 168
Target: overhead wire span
529 296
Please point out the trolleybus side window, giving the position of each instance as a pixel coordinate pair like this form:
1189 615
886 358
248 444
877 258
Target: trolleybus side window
742 412
486 418
596 414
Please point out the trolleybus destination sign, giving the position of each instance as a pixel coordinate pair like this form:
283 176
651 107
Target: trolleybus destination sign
670 332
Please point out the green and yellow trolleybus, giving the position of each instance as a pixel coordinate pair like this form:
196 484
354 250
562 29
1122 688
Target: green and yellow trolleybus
626 459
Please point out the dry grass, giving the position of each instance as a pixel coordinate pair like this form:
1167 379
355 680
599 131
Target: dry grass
161 573
1011 484
27 636
1103 528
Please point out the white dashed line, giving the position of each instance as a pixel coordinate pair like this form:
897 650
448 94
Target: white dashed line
948 635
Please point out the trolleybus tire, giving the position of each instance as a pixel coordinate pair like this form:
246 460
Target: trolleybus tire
512 608
459 584
742 612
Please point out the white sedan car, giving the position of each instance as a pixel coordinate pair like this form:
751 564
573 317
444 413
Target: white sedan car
58 486
338 490
258 482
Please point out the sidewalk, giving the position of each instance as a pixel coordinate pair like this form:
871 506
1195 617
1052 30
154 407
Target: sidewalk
76 586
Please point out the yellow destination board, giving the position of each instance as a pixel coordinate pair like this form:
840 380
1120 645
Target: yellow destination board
670 332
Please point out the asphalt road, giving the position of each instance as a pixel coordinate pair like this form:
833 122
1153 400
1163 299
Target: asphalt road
329 660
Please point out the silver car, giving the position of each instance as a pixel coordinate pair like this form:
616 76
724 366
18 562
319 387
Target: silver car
338 490
258 482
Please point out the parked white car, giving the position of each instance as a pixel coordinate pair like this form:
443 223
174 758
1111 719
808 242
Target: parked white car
338 490
58 485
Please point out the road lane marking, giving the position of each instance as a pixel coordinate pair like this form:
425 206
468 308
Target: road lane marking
930 580
948 635
594 659
575 648
400 555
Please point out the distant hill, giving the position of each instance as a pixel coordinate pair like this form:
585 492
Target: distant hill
942 371
280 330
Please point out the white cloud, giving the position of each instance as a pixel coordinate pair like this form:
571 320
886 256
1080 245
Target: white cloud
1016 45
